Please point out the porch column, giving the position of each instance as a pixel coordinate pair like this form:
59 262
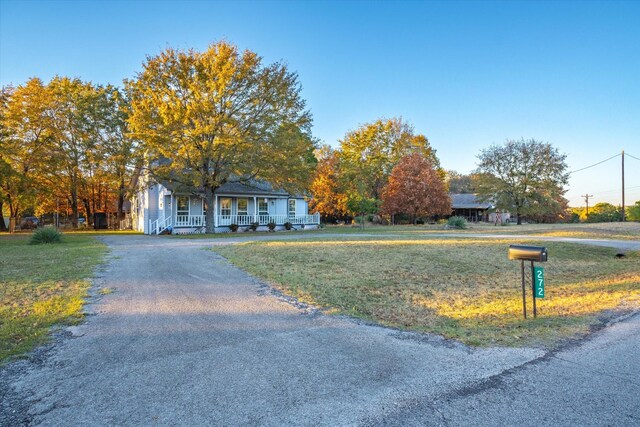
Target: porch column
255 209
215 211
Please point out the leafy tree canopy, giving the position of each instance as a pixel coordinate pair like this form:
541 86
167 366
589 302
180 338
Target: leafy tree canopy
633 212
416 188
524 177
222 115
327 187
369 153
460 183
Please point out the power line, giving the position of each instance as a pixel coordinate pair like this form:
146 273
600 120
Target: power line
633 157
597 193
596 164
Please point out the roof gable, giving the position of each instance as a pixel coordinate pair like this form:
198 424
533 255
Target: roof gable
469 201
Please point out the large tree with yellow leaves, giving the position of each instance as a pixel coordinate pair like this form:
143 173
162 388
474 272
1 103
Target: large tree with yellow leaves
221 116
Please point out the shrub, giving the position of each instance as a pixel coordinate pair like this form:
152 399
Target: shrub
271 226
457 222
45 235
288 226
233 228
253 226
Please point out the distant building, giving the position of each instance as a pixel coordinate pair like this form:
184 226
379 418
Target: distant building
474 210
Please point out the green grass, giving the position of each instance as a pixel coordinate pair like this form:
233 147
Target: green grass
611 230
460 288
615 230
41 286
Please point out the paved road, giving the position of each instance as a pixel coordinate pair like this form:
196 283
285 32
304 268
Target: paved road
187 339
594 384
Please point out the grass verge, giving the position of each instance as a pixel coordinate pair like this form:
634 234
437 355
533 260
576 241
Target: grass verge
40 286
459 288
615 231
609 230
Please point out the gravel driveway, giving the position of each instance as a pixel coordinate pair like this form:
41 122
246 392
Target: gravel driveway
188 339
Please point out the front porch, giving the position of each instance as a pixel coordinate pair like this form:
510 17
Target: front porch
245 220
186 214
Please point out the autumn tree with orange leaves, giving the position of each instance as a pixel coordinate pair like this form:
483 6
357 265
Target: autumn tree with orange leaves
329 197
415 188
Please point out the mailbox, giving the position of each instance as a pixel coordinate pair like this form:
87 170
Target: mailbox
528 253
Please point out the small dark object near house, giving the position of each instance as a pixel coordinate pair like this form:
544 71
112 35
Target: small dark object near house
288 226
620 255
233 228
100 221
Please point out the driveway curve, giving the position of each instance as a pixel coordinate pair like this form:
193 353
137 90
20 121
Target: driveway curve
188 339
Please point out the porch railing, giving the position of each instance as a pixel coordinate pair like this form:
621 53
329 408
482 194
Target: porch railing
159 225
190 220
244 220
241 220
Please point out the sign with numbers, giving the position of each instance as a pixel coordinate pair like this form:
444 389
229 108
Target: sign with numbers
538 277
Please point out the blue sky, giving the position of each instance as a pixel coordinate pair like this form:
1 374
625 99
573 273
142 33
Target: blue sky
465 74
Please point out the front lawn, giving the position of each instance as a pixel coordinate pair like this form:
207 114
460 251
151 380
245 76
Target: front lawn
42 285
461 288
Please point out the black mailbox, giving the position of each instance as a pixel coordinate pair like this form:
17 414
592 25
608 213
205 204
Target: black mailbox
528 253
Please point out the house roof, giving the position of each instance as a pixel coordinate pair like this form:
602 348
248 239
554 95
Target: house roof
253 187
469 201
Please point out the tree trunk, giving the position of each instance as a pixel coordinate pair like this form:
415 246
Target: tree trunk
87 210
93 200
121 194
3 226
210 200
74 209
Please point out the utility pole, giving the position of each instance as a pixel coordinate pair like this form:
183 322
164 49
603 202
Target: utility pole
622 185
586 199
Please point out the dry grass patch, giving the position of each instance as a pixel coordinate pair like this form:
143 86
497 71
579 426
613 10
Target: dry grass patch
41 286
611 230
460 288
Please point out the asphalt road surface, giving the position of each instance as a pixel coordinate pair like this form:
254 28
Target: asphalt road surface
187 339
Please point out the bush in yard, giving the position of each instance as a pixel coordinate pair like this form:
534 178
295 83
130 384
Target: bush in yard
253 226
45 235
233 228
288 225
457 222
272 226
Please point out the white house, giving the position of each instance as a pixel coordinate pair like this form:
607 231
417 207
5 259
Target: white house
157 208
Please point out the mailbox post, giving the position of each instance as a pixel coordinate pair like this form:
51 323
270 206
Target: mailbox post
528 253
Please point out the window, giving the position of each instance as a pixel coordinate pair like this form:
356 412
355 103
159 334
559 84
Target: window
243 206
292 207
263 207
182 207
225 206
